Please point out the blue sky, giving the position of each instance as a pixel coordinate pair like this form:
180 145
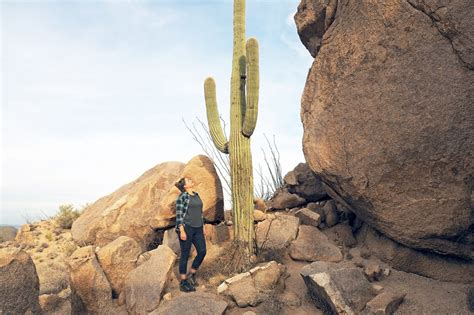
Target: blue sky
93 93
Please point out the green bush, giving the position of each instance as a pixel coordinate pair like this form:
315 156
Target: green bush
66 216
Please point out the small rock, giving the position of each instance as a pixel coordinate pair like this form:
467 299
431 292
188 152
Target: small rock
167 296
284 199
249 313
259 215
341 234
386 272
290 298
308 217
385 303
373 272
377 288
330 213
121 299
260 204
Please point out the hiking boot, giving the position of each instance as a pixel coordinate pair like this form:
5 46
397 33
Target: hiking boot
192 279
185 286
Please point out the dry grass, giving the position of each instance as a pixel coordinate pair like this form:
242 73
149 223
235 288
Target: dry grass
214 270
278 255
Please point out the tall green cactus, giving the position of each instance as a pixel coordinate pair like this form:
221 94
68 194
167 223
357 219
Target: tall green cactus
243 118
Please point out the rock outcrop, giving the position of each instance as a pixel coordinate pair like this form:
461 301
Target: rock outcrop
19 289
387 115
139 208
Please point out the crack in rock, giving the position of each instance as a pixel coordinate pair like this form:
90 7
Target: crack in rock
444 26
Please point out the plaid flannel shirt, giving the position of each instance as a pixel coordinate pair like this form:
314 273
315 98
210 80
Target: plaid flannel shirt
181 207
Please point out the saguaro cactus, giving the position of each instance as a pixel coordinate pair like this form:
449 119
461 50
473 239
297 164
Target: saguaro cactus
243 118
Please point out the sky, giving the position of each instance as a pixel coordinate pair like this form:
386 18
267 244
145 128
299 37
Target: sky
94 93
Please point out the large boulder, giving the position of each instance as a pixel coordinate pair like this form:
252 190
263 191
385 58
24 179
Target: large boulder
145 284
313 245
89 283
19 289
277 231
133 210
117 259
202 172
387 115
139 208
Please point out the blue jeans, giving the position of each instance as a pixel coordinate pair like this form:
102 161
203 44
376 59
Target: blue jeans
194 236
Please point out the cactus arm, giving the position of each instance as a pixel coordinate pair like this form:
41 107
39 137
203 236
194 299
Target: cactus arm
213 121
251 110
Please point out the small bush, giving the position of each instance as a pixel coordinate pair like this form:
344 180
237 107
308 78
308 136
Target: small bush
49 236
66 216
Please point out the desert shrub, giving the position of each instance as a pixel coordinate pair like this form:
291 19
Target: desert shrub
66 216
49 236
